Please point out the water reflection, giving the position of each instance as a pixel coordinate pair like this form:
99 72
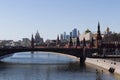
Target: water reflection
68 70
99 75
40 57
50 72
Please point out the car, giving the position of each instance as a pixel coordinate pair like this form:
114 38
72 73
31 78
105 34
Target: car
95 55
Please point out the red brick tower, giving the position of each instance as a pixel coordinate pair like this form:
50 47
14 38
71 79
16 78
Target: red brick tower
98 37
32 42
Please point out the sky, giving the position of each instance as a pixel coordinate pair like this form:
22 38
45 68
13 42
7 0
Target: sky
22 18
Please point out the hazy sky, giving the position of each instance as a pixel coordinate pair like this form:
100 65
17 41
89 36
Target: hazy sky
21 18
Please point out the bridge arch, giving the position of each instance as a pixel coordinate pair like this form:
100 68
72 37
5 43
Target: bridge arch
56 53
49 52
40 57
77 52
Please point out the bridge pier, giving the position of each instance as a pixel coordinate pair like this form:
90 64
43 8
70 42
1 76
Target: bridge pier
82 60
83 57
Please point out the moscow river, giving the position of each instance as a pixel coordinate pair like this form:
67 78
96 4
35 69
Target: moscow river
50 66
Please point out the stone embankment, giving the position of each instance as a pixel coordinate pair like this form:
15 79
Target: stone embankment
105 63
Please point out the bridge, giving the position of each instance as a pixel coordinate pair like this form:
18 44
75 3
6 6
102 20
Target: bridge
81 53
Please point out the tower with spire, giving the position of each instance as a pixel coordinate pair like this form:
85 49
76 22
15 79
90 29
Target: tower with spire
38 40
70 44
32 42
98 37
58 41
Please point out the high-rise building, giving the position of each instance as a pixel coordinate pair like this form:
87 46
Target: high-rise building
64 35
74 33
61 37
38 39
78 33
67 37
71 34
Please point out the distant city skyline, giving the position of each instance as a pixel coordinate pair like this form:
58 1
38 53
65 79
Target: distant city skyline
22 18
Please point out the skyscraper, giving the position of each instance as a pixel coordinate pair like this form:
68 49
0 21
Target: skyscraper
78 33
74 33
38 39
64 35
61 37
71 34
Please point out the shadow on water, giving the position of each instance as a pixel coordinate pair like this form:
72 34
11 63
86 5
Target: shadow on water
69 67
3 65
99 75
81 68
72 67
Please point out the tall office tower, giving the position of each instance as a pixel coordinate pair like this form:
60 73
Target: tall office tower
78 33
64 35
74 33
61 37
71 34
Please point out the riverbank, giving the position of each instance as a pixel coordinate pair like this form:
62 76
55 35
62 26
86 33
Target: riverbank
104 63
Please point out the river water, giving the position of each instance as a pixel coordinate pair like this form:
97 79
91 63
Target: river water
50 66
